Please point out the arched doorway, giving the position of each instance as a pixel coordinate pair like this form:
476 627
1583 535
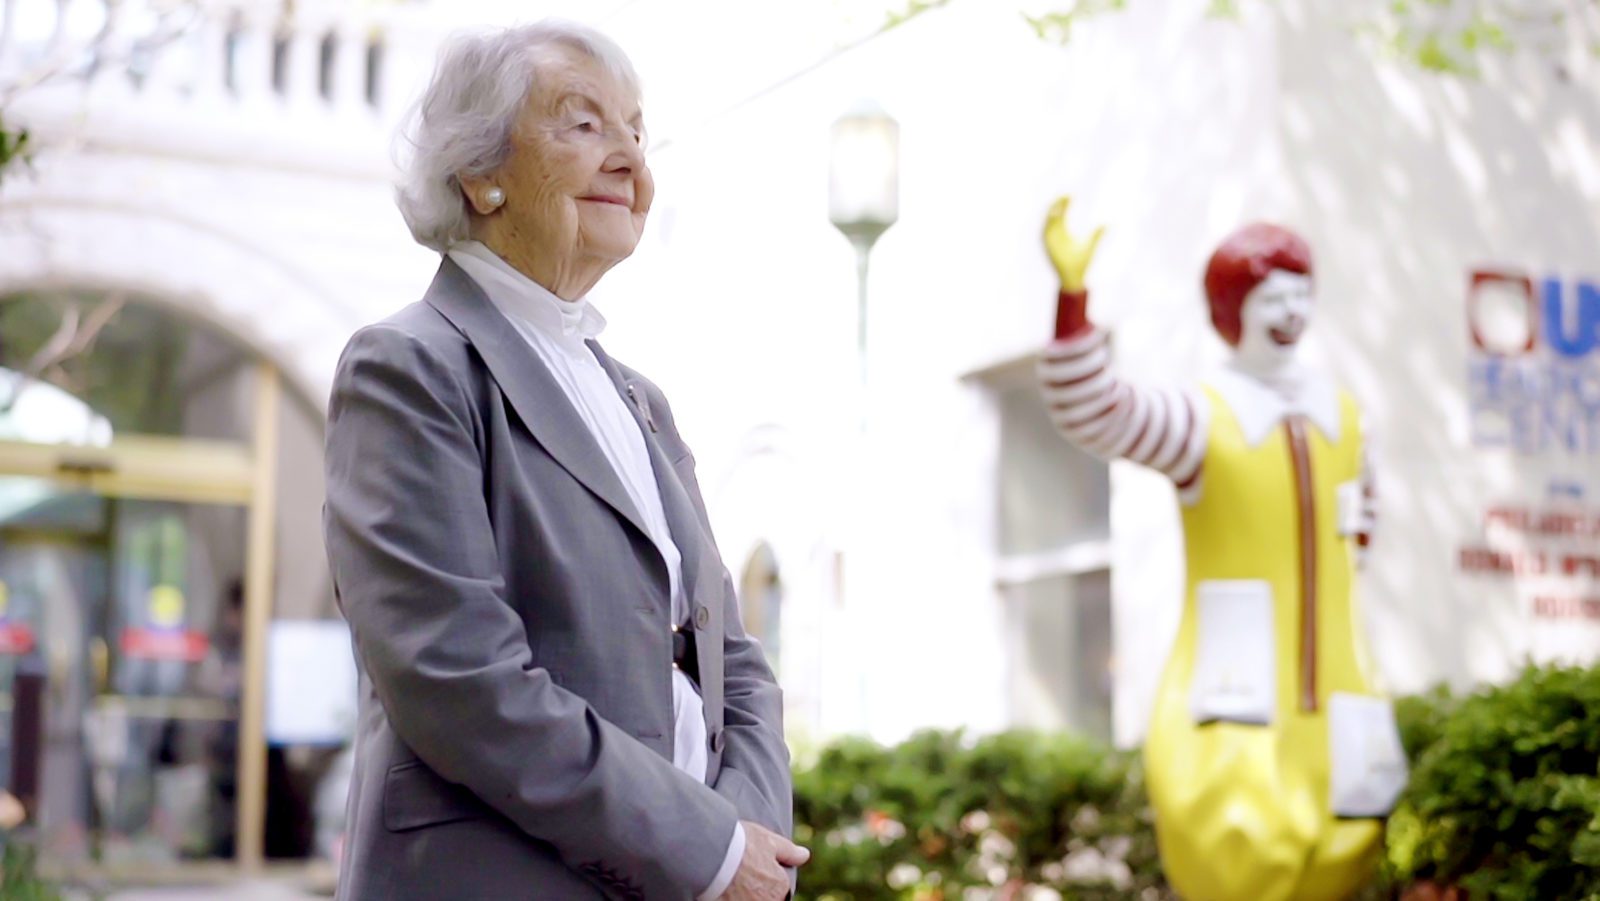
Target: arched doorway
159 500
761 596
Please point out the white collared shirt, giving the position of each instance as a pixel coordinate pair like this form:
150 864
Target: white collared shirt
556 330
1260 404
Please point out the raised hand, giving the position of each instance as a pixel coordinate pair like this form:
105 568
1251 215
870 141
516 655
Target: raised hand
1070 254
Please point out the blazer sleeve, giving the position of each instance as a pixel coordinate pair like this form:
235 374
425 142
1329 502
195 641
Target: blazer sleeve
418 577
755 773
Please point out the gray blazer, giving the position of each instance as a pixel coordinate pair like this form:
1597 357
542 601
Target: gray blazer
511 620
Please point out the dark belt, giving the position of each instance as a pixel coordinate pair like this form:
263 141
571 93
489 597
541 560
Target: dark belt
683 653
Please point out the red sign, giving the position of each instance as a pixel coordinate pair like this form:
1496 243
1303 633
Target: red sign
16 638
165 644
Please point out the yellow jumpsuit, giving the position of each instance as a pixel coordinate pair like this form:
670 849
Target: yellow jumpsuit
1242 811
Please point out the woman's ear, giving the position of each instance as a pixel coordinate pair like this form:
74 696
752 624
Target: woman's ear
482 194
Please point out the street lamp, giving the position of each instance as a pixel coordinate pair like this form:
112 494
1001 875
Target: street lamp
864 192
863 201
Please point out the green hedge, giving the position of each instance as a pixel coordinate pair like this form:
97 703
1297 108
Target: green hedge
1504 802
1504 798
939 814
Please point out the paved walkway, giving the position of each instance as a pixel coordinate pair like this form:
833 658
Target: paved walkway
244 891
264 889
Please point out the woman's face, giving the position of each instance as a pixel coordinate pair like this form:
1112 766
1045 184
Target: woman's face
577 189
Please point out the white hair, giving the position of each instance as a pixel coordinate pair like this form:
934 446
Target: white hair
464 121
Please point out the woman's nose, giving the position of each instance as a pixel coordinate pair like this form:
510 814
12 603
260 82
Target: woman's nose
628 156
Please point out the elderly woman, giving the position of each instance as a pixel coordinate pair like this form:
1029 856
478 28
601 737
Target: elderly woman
557 698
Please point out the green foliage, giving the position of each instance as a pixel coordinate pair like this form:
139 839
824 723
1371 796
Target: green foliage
1421 719
1057 26
1504 802
14 147
1416 35
1443 36
913 9
940 814
1224 9
18 881
1504 798
129 372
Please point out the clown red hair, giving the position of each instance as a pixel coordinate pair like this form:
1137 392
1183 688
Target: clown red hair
1244 260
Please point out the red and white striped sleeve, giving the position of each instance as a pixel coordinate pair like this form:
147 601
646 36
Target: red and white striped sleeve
1111 418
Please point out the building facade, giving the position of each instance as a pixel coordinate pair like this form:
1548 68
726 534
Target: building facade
915 547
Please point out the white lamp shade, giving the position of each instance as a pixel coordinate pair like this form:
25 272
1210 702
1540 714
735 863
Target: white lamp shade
864 173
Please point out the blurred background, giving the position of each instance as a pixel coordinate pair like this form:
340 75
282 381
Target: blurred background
843 291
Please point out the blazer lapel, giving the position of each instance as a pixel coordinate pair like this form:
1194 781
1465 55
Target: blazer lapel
538 400
681 518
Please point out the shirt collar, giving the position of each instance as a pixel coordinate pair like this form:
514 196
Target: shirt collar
525 299
1259 407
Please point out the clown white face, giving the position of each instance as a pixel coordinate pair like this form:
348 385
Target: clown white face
1274 317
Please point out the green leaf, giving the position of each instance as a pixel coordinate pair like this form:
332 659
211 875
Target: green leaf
913 8
1057 26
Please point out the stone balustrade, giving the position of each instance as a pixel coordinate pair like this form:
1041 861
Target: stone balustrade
257 80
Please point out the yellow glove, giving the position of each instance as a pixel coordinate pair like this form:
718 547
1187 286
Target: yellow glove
1069 254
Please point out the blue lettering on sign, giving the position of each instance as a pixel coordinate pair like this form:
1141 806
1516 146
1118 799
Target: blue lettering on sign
1534 405
1548 398
1579 334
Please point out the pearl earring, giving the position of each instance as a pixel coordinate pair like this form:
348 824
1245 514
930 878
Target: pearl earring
494 196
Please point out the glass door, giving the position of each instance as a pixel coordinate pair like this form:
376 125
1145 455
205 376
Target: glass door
134 610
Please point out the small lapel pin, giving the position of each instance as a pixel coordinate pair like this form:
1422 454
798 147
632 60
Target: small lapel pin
643 408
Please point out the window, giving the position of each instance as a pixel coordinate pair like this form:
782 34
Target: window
1053 567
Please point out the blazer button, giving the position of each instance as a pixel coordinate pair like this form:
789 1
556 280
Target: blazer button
718 739
702 617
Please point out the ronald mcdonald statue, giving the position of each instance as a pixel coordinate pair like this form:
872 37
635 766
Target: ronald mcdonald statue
1271 758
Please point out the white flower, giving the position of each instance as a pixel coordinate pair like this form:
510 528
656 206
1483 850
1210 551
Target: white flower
975 822
1085 865
994 846
888 831
902 875
1117 846
1089 865
849 835
1121 875
1085 819
1040 893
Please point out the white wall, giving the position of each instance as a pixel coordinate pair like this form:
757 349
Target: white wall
1158 121
1172 130
1404 182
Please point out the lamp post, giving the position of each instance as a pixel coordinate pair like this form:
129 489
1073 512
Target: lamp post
863 201
864 192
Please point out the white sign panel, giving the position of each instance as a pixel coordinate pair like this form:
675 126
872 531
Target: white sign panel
311 683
